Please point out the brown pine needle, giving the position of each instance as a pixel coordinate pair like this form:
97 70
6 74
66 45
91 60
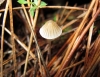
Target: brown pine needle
64 61
12 36
73 65
2 36
21 43
50 7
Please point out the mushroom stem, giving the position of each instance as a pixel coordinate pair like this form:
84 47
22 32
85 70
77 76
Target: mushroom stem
49 50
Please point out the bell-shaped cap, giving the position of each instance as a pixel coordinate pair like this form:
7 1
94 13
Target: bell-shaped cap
50 30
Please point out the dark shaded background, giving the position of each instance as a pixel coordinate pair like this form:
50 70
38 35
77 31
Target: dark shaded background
62 2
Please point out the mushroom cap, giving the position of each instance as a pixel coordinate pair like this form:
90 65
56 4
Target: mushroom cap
50 30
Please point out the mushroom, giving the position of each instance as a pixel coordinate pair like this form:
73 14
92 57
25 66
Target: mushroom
50 30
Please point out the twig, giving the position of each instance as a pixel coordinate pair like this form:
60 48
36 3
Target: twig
2 36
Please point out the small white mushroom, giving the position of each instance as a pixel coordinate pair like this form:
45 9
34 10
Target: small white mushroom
50 30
